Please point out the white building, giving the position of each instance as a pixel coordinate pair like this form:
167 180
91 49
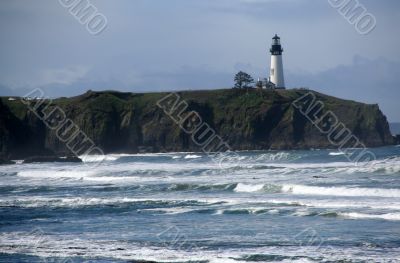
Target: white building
276 78
276 72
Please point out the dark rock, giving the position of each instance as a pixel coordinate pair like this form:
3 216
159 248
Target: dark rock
52 159
397 138
5 162
130 123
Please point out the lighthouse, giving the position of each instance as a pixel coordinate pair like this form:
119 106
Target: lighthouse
276 73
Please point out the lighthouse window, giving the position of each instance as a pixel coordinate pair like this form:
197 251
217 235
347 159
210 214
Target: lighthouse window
272 71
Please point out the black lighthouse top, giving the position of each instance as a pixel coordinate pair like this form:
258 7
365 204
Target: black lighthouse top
276 48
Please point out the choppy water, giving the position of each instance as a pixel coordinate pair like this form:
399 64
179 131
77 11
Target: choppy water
294 206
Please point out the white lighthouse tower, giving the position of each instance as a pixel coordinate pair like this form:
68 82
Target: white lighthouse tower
276 73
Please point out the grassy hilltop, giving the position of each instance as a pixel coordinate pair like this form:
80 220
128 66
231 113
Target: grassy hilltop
132 122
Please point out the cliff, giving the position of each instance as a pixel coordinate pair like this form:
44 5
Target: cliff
128 122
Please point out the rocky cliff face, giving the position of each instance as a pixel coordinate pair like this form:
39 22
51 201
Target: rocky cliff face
130 123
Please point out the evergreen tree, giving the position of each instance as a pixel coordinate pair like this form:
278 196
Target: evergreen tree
243 80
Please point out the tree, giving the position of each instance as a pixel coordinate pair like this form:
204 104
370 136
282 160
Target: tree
243 80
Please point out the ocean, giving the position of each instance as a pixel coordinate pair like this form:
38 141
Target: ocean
271 206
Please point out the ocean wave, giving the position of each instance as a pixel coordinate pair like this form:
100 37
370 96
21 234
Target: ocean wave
389 166
271 157
56 174
248 188
46 246
388 216
115 157
246 211
340 191
140 168
76 202
386 166
99 158
192 156
153 178
251 188
210 210
336 153
81 176
201 187
214 206
169 210
105 175
317 190
340 204
347 215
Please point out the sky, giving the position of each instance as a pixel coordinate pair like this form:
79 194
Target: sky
164 45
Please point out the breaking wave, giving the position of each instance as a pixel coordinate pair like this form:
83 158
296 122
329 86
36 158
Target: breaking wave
248 188
388 216
192 156
340 191
63 247
314 190
336 153
74 202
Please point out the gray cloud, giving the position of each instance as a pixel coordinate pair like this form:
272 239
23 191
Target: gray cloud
152 45
370 81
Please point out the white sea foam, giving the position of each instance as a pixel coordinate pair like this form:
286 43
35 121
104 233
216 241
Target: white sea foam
63 202
114 157
248 188
292 195
301 212
336 153
388 216
352 215
329 203
98 158
279 156
387 166
55 174
38 201
43 245
273 211
245 210
340 191
322 191
220 205
80 175
192 156
171 210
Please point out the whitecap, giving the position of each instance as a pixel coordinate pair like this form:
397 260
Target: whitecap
55 174
340 191
336 153
41 244
248 188
170 210
328 203
388 216
192 156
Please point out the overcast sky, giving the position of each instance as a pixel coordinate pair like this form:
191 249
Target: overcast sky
154 45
